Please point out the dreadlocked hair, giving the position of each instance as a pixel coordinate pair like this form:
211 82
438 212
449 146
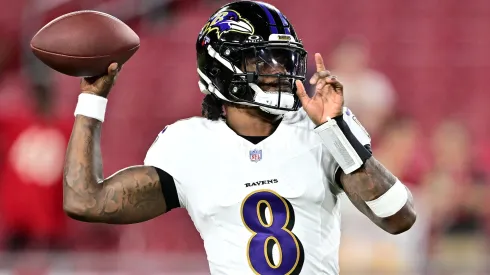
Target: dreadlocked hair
212 107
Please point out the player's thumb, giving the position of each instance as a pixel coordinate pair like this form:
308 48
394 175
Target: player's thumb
111 76
104 84
301 92
113 70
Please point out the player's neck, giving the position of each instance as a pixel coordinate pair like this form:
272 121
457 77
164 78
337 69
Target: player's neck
248 122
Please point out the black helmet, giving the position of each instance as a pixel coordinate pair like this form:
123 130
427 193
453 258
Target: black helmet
249 31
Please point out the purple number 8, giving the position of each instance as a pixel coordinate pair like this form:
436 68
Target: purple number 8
266 234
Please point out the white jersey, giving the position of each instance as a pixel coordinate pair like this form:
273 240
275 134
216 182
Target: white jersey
267 208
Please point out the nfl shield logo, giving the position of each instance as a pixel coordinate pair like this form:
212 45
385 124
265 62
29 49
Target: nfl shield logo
255 155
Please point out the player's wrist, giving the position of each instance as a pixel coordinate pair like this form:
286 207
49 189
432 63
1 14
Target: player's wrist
363 152
104 94
346 140
91 105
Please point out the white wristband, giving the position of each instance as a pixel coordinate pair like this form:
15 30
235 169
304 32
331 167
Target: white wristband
390 202
92 106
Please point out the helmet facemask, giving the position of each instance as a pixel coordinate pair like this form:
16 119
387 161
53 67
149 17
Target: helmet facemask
261 74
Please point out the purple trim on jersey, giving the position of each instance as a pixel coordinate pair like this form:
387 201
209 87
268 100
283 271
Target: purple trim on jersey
269 16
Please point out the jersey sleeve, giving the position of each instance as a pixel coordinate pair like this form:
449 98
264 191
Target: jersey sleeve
331 168
328 163
166 154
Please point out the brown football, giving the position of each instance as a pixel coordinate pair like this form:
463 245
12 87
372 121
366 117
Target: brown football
84 43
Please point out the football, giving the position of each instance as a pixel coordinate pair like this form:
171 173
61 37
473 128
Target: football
84 43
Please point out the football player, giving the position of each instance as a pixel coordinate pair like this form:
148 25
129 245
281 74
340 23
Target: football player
259 176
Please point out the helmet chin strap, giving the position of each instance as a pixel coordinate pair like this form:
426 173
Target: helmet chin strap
272 99
273 111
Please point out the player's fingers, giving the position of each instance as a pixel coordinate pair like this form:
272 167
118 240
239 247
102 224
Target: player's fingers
331 79
335 83
301 93
319 75
90 80
320 66
321 84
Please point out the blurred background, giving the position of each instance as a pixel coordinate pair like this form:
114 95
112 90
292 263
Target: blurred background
416 74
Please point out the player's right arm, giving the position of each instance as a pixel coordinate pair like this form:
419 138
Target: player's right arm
131 195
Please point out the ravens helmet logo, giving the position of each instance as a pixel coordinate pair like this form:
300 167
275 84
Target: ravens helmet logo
227 21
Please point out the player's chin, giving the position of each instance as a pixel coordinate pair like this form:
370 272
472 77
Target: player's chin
271 118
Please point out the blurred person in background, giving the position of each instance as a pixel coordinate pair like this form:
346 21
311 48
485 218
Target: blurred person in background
260 178
401 146
456 194
33 142
368 251
369 93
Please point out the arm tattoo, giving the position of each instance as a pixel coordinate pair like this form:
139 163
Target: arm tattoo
369 183
131 195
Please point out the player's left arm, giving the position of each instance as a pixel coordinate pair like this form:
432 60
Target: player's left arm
371 184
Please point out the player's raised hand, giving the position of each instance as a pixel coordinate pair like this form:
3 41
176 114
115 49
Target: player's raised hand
101 85
328 99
